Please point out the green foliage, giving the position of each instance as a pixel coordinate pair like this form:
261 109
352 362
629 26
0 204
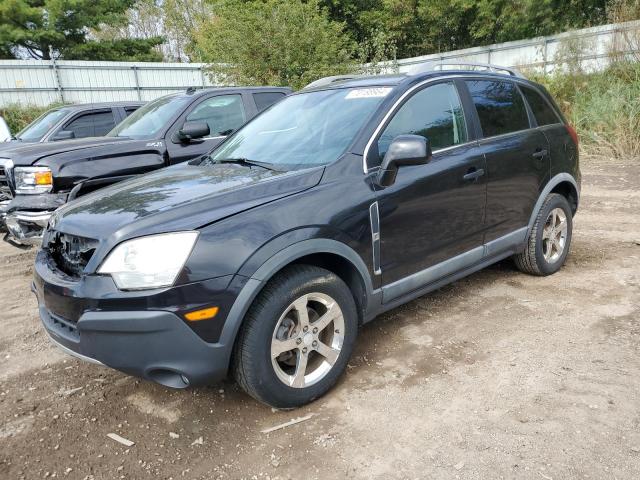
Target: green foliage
273 42
420 27
604 107
19 116
61 26
123 49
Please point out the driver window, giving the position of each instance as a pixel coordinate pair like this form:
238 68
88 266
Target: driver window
223 114
435 113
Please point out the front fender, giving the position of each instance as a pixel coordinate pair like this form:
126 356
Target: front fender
278 261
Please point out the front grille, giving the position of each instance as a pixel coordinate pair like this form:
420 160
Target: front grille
70 253
5 191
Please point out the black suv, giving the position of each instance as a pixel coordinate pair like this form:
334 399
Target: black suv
165 131
338 203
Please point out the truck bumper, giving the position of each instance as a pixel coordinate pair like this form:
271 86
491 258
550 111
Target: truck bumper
26 217
25 229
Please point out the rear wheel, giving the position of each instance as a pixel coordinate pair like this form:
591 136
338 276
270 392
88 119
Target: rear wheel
297 337
550 239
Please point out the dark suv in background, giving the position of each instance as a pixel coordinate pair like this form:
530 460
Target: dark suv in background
73 121
165 131
338 203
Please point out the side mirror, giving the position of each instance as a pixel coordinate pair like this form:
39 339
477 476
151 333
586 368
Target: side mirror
404 150
64 135
193 131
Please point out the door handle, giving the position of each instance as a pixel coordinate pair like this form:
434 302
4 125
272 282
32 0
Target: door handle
540 154
473 173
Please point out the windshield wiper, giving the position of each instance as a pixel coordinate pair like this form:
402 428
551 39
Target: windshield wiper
249 163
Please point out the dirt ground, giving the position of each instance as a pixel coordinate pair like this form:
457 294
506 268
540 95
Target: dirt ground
500 375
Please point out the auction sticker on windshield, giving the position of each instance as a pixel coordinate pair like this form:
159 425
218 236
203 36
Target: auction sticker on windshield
377 92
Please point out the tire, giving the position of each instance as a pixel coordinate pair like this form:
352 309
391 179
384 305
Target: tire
274 323
543 255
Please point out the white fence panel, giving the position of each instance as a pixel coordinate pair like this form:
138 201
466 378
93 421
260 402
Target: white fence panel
40 82
593 47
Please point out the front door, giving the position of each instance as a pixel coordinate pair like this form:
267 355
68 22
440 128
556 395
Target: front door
434 212
223 113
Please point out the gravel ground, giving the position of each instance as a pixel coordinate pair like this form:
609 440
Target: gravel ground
500 375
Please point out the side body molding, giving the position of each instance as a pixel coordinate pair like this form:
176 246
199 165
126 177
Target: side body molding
554 182
275 264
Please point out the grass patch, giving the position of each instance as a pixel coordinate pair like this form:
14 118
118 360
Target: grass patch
19 116
604 107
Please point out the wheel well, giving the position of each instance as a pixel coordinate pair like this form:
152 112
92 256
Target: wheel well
344 269
568 191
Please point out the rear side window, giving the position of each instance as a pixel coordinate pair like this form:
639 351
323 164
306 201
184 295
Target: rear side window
265 99
129 110
541 109
434 113
500 107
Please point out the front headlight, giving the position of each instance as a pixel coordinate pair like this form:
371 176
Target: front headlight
32 180
149 262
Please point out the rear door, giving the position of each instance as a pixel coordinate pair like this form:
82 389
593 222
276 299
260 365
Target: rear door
517 155
561 147
223 113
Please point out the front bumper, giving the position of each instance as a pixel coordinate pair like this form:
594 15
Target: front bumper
92 320
26 228
26 217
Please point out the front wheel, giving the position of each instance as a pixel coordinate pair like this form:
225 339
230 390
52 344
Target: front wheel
297 337
550 238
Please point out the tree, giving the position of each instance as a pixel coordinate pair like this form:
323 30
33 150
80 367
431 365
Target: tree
181 17
39 27
276 42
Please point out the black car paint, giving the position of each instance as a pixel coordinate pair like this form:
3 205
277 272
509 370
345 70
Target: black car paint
323 215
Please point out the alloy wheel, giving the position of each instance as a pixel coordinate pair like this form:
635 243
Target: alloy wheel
554 235
307 340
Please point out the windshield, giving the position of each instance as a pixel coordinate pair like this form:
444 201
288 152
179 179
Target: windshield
303 130
39 127
150 119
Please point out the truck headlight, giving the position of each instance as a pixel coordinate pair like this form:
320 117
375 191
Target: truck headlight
149 262
32 180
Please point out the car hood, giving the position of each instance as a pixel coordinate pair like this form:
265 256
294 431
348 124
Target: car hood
25 154
10 145
183 197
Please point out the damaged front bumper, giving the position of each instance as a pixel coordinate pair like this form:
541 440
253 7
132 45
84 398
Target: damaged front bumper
26 217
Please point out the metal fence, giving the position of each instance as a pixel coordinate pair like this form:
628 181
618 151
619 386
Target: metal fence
42 82
591 48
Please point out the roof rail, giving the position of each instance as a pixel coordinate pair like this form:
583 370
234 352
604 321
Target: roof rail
441 65
321 82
